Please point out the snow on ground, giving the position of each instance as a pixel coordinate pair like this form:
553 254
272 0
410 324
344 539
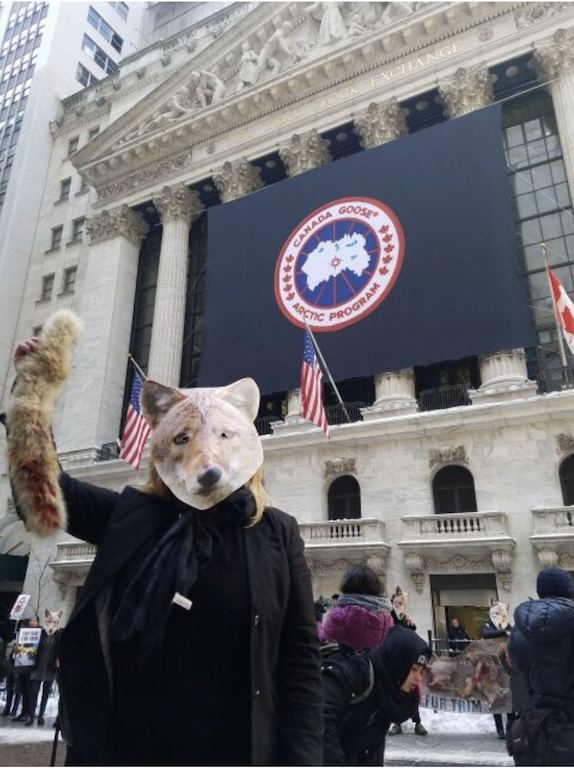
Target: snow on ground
449 722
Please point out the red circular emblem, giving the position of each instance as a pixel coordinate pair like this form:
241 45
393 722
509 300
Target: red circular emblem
339 263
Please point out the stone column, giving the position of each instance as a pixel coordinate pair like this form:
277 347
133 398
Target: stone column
304 152
504 377
236 180
94 393
379 124
468 90
554 59
178 207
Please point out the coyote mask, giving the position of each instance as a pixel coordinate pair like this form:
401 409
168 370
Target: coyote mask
204 444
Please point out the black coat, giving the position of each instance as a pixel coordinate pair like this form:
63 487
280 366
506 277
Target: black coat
355 732
458 639
490 631
541 647
286 689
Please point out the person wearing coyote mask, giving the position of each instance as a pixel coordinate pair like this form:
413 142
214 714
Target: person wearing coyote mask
193 641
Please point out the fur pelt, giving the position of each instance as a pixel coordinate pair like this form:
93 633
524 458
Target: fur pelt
32 459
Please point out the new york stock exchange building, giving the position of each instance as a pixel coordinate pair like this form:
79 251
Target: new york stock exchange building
385 173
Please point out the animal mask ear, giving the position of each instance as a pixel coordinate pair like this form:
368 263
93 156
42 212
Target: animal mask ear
59 613
157 400
46 613
493 602
243 395
398 591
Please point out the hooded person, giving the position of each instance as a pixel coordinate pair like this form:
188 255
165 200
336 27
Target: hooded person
148 675
365 693
498 626
361 617
541 648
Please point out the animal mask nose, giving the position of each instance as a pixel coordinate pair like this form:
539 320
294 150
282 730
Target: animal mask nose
209 477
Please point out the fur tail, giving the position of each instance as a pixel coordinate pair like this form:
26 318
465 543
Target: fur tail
32 458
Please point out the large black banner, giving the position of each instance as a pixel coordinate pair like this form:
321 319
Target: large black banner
397 256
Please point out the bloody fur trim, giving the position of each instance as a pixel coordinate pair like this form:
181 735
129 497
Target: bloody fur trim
32 458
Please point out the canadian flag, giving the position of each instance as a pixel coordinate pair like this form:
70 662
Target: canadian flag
564 308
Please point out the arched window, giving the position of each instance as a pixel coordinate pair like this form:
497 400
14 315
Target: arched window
567 480
344 499
453 491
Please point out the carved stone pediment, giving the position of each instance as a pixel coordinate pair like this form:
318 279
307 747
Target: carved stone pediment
447 454
277 55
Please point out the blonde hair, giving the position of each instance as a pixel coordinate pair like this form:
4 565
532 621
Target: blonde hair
156 487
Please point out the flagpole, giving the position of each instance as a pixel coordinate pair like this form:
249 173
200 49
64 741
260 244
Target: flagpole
326 367
136 366
558 324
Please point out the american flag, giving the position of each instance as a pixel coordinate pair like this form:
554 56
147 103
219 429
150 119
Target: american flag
312 387
136 428
564 309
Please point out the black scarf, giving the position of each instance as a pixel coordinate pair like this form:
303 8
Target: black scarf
173 566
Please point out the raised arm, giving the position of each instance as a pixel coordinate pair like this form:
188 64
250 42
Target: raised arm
89 508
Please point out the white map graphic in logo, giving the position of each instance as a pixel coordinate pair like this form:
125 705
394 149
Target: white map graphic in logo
330 258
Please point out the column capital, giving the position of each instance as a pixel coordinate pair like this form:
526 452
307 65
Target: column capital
303 152
236 180
178 202
381 123
117 222
555 55
468 90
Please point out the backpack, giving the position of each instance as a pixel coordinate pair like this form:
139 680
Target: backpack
541 737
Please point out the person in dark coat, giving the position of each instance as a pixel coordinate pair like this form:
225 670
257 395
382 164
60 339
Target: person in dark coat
361 618
365 693
399 602
458 638
44 673
498 626
13 694
541 645
193 640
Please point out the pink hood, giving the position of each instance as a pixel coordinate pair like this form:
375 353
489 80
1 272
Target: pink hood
356 626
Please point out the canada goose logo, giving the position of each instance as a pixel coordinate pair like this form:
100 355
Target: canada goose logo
339 263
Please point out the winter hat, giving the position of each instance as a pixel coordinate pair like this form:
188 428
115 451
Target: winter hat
555 582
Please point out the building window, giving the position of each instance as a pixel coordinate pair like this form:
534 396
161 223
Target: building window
47 287
85 77
102 26
65 189
98 55
121 8
453 491
73 145
543 213
69 279
344 499
78 228
56 237
567 480
93 132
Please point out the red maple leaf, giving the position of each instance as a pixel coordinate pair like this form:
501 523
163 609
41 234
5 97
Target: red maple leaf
387 238
387 259
383 271
286 278
291 297
289 259
287 269
389 248
384 229
288 287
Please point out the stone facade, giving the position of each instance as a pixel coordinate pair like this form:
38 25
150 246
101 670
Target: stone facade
179 114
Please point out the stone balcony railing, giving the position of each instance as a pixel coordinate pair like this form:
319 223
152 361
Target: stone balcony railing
332 545
553 534
478 531
74 556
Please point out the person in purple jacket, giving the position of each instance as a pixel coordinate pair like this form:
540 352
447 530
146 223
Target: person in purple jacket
361 617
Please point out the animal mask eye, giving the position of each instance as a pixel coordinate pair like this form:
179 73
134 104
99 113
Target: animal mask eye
182 438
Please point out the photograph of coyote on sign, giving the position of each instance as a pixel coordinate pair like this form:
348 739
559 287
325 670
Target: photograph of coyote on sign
477 681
